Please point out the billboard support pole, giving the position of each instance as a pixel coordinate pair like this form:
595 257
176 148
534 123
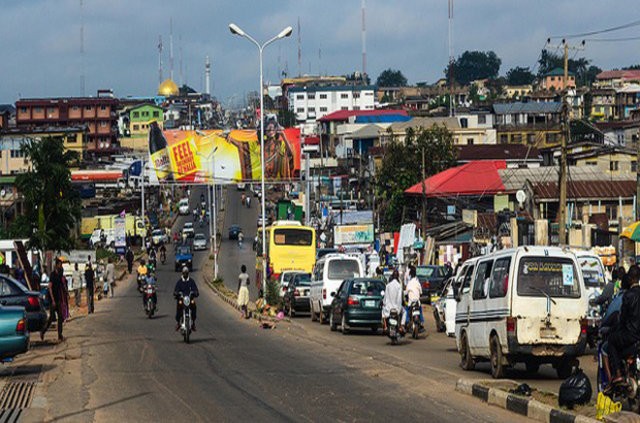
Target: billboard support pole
144 222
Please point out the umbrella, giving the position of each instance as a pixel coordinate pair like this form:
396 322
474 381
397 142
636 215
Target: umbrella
632 232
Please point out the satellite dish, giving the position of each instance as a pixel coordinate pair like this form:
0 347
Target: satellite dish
521 196
3 193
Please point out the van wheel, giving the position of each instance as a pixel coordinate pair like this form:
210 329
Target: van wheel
332 325
497 367
313 314
466 360
321 316
564 369
439 325
532 367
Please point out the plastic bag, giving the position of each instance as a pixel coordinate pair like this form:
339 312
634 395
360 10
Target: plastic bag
575 390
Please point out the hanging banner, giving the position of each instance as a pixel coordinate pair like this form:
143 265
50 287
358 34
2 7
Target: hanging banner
353 234
226 156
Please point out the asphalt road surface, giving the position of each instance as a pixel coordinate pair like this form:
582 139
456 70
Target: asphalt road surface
132 368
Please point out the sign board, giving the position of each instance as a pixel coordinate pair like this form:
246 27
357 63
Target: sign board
353 234
470 217
407 237
120 234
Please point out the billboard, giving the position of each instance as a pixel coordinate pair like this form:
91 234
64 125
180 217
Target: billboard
120 234
353 234
229 156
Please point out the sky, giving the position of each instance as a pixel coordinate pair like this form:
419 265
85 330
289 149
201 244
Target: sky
40 40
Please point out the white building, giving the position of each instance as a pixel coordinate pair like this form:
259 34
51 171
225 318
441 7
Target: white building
311 103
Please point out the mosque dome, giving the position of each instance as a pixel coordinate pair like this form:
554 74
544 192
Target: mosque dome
168 88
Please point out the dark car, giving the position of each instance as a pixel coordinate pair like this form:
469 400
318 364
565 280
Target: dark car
431 279
13 293
184 257
357 303
296 298
234 230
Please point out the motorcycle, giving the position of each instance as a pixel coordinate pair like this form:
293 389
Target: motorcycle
141 282
185 320
414 324
149 300
594 318
393 326
153 261
163 257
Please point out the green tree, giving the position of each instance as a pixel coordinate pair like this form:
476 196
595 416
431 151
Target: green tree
520 76
52 205
402 168
391 78
473 65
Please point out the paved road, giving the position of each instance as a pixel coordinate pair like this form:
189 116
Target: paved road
134 368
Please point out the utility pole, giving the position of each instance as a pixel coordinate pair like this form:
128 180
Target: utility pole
638 175
566 137
424 200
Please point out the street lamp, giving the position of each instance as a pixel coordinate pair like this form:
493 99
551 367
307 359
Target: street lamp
213 232
235 29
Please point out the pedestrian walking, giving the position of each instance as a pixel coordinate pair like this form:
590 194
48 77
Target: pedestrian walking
89 278
243 291
129 257
59 300
77 284
110 276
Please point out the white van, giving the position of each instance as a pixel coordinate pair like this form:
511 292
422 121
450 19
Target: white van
523 305
183 206
328 274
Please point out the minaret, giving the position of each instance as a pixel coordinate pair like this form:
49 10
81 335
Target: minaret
207 78
160 59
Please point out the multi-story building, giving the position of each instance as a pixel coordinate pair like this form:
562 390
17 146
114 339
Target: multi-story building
314 102
554 80
141 116
7 114
616 78
97 114
536 124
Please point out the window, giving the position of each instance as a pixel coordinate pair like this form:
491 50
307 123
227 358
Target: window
613 165
552 138
323 96
466 282
356 95
311 96
464 122
370 93
504 139
37 109
323 109
136 127
611 211
300 110
481 282
592 272
531 138
634 166
23 109
7 288
469 141
156 114
87 108
311 110
500 278
516 138
344 108
591 163
145 114
136 114
482 119
356 107
299 96
344 95
542 276
343 269
103 107
103 124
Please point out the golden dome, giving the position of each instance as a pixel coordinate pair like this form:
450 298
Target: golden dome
168 88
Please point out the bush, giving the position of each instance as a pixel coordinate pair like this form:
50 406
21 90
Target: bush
102 253
273 294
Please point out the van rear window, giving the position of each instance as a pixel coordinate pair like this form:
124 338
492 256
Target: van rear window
343 269
553 276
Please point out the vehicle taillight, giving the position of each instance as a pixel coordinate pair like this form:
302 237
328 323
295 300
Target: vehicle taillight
352 301
324 294
511 325
583 326
21 327
425 285
296 293
34 302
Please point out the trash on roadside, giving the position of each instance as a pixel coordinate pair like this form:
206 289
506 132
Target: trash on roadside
522 389
606 406
280 315
575 390
268 325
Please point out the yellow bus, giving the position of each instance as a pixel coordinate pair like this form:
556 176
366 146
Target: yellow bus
290 246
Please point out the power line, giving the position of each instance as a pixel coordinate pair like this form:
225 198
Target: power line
602 31
612 40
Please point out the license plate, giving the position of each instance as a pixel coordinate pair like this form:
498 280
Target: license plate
149 291
547 333
416 313
370 303
393 322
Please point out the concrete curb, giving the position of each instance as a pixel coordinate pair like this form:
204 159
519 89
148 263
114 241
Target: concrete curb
518 404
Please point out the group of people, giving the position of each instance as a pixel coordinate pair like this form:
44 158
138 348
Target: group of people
394 295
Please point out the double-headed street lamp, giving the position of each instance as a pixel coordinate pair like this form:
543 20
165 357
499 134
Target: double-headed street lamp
235 29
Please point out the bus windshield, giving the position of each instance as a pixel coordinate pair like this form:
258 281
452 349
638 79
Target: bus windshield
292 236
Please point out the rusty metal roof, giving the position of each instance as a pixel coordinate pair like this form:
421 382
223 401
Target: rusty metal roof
583 190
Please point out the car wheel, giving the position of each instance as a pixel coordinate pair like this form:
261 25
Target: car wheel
321 316
332 325
466 360
343 326
497 366
313 314
292 312
439 325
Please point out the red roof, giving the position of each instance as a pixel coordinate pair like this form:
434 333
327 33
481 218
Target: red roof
473 178
346 114
623 74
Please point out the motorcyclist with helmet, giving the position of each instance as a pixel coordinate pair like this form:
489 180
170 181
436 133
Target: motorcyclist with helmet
185 286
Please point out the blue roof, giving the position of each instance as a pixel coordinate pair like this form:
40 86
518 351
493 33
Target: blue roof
382 119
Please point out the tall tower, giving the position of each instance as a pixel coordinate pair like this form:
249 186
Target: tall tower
451 62
171 48
207 77
82 71
364 43
160 79
299 50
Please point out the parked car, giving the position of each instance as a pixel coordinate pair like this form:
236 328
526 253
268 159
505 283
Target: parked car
199 242
159 236
329 272
103 238
188 229
234 230
357 303
184 257
283 280
14 333
444 309
14 293
267 220
183 206
296 297
431 279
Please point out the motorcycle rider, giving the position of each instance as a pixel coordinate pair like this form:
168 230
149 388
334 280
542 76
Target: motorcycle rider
627 332
150 280
393 300
163 253
142 269
185 286
240 239
413 291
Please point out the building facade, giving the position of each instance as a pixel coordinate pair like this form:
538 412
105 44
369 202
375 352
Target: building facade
311 103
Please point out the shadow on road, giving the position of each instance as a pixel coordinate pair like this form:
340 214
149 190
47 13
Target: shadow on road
109 404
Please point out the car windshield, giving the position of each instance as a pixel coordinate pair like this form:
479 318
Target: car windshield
184 250
199 237
184 202
553 276
425 272
188 225
343 269
157 232
592 272
368 288
303 280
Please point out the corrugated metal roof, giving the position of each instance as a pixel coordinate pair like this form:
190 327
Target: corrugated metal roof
341 115
586 190
515 179
426 123
369 131
529 107
508 152
382 119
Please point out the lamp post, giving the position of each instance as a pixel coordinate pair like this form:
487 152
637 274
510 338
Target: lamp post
235 29
213 231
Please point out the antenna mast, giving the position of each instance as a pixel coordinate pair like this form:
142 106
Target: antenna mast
160 59
207 81
82 71
180 52
299 50
171 48
364 43
451 61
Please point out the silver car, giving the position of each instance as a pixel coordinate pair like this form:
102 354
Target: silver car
199 242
